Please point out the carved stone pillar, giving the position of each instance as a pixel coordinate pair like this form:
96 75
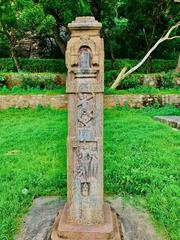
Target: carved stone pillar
85 215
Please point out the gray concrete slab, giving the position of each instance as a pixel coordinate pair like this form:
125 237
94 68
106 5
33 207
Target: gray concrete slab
135 224
37 224
173 121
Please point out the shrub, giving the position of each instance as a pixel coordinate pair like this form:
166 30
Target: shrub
129 82
2 81
38 82
34 65
168 79
34 80
109 77
158 65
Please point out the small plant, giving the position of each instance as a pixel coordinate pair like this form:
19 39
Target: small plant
2 81
28 82
168 79
39 107
131 81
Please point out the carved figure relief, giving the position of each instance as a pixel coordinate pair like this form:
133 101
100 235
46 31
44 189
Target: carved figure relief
85 161
85 109
94 164
85 58
85 188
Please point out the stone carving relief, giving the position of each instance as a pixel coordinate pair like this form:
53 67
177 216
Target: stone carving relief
85 187
85 161
87 46
85 109
85 58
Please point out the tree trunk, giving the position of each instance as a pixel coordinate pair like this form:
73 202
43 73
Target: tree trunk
156 16
118 80
178 65
106 35
121 76
11 41
112 55
58 39
149 65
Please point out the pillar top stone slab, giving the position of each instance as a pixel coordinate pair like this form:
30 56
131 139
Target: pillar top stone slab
85 23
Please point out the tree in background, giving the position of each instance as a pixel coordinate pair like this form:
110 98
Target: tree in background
9 27
62 12
106 12
130 27
124 73
147 21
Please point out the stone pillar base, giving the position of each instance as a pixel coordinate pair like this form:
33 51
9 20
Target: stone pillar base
107 231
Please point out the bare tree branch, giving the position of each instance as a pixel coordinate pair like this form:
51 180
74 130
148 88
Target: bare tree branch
116 83
121 76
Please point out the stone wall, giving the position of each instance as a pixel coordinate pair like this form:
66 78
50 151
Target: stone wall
60 101
32 101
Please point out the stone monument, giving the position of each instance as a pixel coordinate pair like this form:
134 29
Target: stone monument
85 215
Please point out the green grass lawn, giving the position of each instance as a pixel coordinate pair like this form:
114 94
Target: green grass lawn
141 162
143 90
16 90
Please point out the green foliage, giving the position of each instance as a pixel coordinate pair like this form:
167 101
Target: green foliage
149 170
34 18
4 49
2 80
168 79
17 90
147 22
61 90
34 65
131 81
158 65
38 83
109 77
129 27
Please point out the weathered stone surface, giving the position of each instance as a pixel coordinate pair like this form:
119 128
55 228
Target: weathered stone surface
32 101
85 215
173 121
176 81
141 100
151 80
60 101
135 224
110 229
40 218
85 86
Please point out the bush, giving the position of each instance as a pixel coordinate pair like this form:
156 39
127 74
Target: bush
109 77
45 82
168 79
34 65
158 65
34 80
2 81
119 64
58 65
129 82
